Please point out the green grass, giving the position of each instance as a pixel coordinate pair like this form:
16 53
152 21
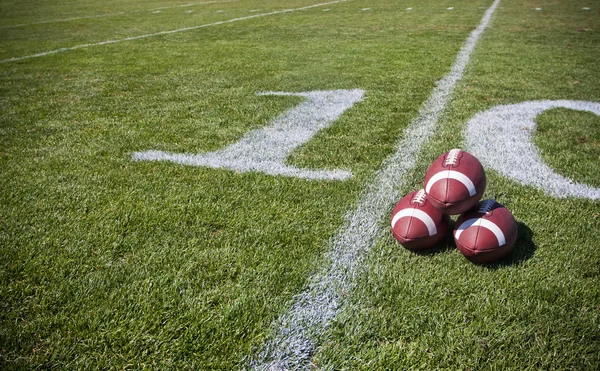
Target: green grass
109 263
539 307
570 142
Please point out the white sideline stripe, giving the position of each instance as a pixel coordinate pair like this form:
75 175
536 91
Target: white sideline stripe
451 174
419 214
168 32
480 222
113 14
302 328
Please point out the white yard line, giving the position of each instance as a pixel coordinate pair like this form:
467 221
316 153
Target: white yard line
82 46
300 330
114 14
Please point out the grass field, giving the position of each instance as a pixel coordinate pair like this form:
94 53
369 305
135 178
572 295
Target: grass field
111 263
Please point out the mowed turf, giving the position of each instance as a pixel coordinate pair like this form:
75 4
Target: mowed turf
110 263
540 307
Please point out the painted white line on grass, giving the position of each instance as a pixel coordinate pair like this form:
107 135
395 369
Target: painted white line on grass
501 138
82 46
302 328
114 14
266 149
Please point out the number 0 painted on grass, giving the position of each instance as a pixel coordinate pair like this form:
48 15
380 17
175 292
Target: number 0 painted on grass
501 138
265 150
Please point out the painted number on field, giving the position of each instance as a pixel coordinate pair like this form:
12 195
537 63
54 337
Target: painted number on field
265 150
501 138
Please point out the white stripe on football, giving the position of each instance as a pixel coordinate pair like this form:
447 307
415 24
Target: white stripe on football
415 213
482 223
451 174
454 182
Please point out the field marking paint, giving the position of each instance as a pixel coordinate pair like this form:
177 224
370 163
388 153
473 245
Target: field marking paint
501 138
482 223
132 38
302 328
266 149
113 14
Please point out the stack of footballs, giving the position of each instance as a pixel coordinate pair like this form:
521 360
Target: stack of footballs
454 184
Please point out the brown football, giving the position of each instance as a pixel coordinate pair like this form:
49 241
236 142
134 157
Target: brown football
416 224
455 182
486 233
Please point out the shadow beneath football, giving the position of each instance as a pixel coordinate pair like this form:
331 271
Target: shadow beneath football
523 250
445 245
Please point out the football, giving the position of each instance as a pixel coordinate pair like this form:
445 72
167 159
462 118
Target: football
416 224
455 182
486 233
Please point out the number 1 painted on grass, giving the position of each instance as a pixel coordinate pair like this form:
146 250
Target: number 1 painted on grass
265 150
